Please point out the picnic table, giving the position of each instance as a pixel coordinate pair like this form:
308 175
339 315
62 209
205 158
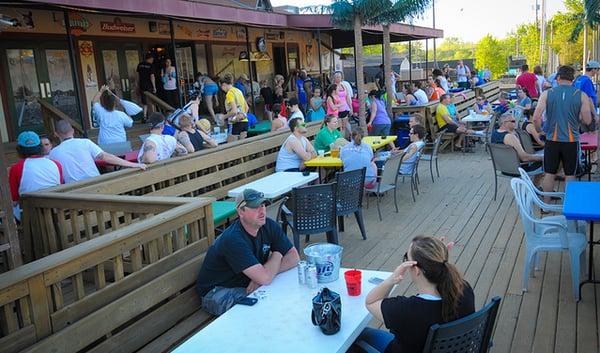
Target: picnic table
130 156
281 320
222 211
589 144
581 203
276 184
325 161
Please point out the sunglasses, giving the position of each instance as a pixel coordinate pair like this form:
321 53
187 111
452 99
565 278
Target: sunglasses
511 121
301 125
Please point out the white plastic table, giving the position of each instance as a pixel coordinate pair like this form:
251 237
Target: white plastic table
281 322
276 184
476 118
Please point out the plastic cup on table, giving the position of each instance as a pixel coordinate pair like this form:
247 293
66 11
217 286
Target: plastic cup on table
353 282
321 153
335 153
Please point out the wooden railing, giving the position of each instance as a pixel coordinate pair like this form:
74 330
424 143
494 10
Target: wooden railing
51 114
57 221
162 106
134 279
210 172
463 101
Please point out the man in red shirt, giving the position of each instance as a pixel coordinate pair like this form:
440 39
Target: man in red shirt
33 172
528 80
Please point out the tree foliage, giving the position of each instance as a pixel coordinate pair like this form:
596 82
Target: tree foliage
491 54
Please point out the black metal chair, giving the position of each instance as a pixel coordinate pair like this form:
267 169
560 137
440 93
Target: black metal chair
349 197
435 146
387 181
470 334
313 211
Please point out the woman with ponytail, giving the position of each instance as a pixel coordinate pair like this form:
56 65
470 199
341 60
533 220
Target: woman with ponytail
443 296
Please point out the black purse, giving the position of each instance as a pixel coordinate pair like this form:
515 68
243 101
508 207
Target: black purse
327 311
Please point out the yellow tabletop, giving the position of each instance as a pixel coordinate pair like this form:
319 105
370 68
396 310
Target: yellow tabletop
376 142
326 161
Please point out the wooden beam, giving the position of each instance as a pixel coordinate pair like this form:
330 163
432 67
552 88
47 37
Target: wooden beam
10 237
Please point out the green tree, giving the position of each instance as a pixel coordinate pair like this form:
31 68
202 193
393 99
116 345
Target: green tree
491 54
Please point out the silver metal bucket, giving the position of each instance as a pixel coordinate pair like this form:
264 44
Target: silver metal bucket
327 257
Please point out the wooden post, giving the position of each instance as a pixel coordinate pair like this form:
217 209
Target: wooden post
11 237
72 58
174 62
319 54
249 50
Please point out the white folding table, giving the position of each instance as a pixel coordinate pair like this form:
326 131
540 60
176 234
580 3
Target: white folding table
276 184
280 321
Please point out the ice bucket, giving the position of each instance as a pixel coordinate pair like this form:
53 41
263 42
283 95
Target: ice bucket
327 257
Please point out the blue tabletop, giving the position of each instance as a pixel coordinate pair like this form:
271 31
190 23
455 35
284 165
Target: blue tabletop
582 201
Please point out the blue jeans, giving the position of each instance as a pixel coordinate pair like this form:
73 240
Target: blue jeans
380 130
378 339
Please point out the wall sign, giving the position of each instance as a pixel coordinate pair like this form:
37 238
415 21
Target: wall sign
117 26
205 34
219 33
261 44
78 23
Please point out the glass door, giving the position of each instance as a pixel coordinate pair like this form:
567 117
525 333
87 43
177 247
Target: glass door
37 71
185 70
118 68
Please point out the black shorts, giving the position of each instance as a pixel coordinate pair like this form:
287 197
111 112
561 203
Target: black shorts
238 128
344 114
557 152
451 128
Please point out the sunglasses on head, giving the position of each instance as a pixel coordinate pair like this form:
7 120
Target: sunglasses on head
252 197
301 125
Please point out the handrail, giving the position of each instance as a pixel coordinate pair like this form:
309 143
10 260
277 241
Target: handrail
89 248
51 114
162 105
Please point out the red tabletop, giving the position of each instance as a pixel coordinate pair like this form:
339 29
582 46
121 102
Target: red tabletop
589 141
130 156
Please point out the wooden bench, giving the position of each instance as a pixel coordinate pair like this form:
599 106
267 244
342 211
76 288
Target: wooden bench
463 102
130 289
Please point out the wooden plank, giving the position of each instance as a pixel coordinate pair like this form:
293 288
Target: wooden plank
25 312
40 309
546 318
8 318
119 273
12 293
73 312
17 341
75 225
63 229
154 324
57 296
78 287
136 259
50 231
90 328
99 276
179 239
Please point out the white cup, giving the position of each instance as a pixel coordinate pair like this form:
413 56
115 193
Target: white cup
471 112
217 130
321 153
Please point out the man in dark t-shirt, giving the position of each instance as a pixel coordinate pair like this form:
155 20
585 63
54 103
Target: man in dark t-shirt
146 80
249 253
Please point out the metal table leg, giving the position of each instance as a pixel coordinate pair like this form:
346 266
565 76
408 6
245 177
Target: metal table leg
591 278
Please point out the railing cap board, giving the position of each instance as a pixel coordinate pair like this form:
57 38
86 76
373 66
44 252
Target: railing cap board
314 126
53 261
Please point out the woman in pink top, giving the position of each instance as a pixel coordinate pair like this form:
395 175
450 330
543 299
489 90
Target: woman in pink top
345 94
333 100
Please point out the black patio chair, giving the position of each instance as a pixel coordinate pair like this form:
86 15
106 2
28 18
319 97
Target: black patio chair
525 140
470 334
349 197
387 181
313 211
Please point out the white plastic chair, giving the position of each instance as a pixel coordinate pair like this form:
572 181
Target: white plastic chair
545 235
573 226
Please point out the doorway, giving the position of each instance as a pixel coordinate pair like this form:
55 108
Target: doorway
279 61
37 70
118 68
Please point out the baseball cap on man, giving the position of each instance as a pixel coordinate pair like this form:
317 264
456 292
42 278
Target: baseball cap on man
250 198
592 64
28 139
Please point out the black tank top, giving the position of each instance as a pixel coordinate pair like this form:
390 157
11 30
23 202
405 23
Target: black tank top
196 140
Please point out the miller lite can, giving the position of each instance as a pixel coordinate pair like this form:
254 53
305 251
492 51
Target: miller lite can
302 272
311 276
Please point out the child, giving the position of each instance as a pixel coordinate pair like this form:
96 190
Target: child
316 111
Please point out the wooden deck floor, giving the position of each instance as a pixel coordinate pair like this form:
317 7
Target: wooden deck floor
489 251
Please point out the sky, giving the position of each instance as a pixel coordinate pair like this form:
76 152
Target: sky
473 19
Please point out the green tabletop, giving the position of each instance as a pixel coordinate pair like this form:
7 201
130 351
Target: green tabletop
222 210
261 128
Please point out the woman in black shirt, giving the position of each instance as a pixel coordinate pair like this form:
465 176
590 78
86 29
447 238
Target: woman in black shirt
443 296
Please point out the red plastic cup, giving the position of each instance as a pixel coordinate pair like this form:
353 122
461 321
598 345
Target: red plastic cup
353 282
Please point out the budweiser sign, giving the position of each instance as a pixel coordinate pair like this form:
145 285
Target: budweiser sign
117 26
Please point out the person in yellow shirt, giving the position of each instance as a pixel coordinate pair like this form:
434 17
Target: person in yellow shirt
446 123
236 107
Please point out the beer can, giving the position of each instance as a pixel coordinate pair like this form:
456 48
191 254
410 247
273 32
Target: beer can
302 272
311 276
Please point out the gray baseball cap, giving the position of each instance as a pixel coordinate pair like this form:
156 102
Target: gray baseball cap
250 198
592 64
